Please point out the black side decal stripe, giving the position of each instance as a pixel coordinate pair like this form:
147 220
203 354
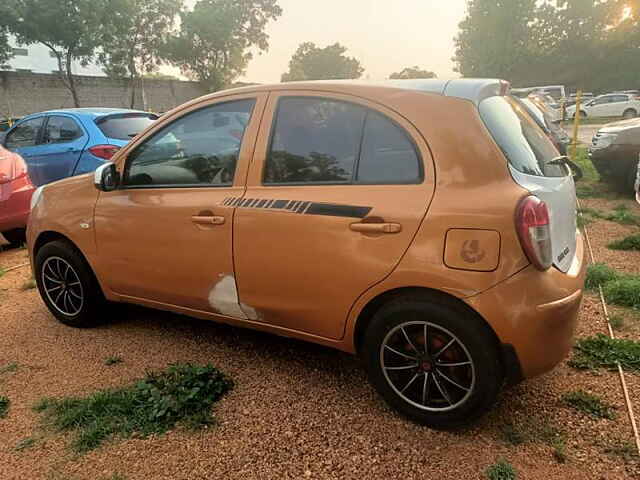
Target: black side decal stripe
299 207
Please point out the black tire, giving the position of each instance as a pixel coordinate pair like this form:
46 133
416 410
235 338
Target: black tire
53 258
583 114
477 343
630 113
16 237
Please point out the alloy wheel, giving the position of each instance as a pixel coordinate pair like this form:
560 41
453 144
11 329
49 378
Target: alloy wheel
62 286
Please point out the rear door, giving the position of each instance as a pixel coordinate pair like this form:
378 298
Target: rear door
335 194
531 161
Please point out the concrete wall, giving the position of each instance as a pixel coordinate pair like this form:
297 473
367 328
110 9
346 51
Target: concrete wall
24 93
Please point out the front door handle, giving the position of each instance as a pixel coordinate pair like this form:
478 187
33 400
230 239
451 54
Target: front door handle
376 227
208 219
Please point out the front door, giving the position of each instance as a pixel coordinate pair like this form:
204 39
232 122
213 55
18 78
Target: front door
24 139
164 236
336 192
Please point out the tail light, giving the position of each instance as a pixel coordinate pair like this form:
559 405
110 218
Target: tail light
534 230
104 151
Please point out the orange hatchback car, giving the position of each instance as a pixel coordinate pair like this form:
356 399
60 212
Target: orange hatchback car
428 226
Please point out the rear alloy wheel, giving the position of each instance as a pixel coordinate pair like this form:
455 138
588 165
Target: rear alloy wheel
629 113
433 361
67 285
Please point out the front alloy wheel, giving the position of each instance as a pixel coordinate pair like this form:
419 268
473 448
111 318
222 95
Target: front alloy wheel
62 286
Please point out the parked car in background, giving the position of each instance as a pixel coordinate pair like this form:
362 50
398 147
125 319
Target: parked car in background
15 195
62 143
610 105
614 152
548 120
325 222
573 98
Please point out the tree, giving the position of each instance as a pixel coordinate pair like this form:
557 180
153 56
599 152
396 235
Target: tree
134 46
314 63
495 39
69 28
5 48
412 72
213 43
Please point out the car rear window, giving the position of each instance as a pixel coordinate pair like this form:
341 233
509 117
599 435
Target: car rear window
524 144
125 126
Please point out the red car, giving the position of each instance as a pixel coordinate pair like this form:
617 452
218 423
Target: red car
15 196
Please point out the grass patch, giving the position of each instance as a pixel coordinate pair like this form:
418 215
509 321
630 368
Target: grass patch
114 360
4 406
25 443
623 291
617 322
501 470
9 368
599 274
632 242
29 284
625 450
182 393
604 352
531 429
559 449
589 404
589 172
621 214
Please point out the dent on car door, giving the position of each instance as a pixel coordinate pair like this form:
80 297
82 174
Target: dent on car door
321 220
164 236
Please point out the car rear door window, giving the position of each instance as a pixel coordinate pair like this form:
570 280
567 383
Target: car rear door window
388 154
314 140
200 148
124 126
26 134
61 130
620 98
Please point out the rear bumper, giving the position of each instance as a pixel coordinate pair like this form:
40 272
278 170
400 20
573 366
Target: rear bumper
14 209
535 313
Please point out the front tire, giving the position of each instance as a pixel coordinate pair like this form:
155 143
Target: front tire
67 285
433 361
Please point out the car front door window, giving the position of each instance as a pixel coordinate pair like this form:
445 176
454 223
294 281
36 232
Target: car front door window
25 134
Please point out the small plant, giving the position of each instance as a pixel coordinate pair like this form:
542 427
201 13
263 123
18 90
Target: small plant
582 221
622 215
182 393
604 352
625 450
109 361
599 274
25 443
632 242
617 322
559 449
589 404
9 368
624 291
512 434
29 284
4 406
501 470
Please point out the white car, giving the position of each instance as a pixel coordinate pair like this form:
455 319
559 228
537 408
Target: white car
610 105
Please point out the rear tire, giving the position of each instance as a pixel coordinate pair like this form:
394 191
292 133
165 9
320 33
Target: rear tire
68 286
629 113
15 237
435 392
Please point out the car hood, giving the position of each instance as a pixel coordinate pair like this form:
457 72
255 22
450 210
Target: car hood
616 127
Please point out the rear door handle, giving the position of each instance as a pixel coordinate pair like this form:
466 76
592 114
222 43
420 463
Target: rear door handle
376 227
208 219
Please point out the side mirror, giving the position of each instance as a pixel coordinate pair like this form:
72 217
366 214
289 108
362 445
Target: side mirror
106 177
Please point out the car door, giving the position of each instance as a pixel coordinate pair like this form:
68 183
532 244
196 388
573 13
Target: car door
619 103
600 107
62 143
164 236
337 189
24 138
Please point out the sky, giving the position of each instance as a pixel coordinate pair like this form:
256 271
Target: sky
385 35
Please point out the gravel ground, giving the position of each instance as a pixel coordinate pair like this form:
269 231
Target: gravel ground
297 411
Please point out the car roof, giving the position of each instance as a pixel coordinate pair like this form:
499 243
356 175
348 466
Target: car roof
93 112
473 89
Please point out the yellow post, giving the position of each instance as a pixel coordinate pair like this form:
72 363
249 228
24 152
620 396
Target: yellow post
576 127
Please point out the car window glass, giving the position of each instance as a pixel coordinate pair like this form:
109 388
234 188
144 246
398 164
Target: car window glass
314 140
200 148
61 130
388 155
25 134
124 126
619 98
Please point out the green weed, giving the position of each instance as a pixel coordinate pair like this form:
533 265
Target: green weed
617 322
501 470
114 360
599 274
623 291
604 352
632 242
4 406
25 443
589 404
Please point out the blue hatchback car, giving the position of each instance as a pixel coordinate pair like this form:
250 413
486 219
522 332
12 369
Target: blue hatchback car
62 143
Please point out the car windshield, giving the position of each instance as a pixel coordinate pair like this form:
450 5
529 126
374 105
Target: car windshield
524 144
125 126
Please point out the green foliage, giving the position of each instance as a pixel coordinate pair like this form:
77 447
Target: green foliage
624 291
559 449
501 470
25 443
9 368
625 450
589 172
599 274
589 404
183 393
314 63
604 352
412 72
632 242
617 322
114 360
622 215
4 406
215 39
